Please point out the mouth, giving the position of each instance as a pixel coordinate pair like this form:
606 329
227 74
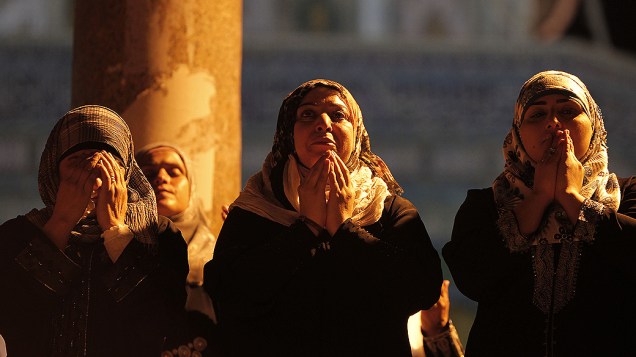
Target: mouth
162 192
325 142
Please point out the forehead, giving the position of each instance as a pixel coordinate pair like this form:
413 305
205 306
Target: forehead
161 156
320 95
552 98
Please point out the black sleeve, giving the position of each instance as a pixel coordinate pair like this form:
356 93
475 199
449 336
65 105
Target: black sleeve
168 260
479 262
616 232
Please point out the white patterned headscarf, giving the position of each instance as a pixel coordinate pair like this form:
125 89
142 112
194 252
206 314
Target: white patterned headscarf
516 181
94 126
371 177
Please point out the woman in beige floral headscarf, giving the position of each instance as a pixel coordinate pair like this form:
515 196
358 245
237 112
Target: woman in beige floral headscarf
543 248
318 254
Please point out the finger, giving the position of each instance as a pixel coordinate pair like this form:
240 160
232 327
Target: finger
341 171
549 154
107 179
444 291
323 176
118 171
333 181
84 173
314 173
81 169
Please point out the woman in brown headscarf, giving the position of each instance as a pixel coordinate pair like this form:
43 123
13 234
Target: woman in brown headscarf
95 272
547 251
318 254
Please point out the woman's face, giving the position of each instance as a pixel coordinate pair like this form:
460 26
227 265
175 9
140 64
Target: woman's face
550 113
323 123
167 174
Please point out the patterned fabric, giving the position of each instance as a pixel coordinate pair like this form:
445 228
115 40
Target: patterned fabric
96 126
371 177
516 181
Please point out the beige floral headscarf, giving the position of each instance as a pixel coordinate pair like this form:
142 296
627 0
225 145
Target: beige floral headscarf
516 181
372 178
94 126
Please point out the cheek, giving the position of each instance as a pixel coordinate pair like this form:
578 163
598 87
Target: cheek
345 136
183 193
531 141
581 137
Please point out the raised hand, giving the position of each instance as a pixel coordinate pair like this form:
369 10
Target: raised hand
569 180
545 172
112 198
311 193
79 177
435 319
341 201
529 212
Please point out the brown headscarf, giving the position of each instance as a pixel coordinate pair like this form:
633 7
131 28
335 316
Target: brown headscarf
370 175
516 181
93 126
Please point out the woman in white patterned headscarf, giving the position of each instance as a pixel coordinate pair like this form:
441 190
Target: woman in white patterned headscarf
94 272
318 255
544 250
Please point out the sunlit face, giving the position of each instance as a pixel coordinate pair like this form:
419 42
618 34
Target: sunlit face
323 123
166 172
550 113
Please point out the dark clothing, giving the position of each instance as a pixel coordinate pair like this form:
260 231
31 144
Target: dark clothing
81 303
275 294
598 321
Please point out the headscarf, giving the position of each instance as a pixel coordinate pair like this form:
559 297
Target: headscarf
371 177
193 221
94 126
600 188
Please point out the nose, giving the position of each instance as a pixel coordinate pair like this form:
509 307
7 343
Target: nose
161 177
323 123
553 122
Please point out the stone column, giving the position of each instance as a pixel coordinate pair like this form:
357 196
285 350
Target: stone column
172 69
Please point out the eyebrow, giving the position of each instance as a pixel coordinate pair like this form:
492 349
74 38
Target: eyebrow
543 102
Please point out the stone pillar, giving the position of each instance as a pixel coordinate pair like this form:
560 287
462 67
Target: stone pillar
172 69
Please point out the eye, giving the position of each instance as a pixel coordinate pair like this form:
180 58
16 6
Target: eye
535 115
306 114
175 172
570 111
339 115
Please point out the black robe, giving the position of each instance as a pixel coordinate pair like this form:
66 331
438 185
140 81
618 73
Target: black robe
274 297
80 303
598 321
